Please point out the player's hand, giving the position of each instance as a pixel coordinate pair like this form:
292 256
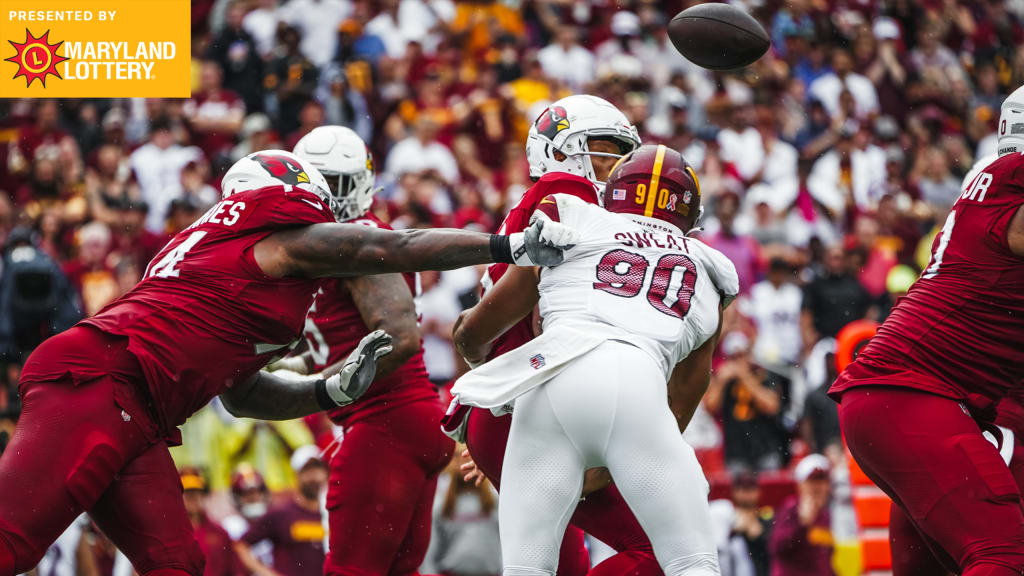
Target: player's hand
357 374
471 472
543 244
291 363
595 479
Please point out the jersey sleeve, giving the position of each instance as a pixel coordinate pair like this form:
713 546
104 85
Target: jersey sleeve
999 227
723 274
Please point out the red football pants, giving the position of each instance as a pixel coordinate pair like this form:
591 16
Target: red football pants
911 555
603 514
929 456
78 449
382 483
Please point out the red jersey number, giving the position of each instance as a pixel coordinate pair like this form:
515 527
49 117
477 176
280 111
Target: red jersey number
622 273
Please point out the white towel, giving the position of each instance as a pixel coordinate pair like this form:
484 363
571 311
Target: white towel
496 384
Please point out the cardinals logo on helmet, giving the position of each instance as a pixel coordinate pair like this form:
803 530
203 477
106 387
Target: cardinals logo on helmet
552 121
283 168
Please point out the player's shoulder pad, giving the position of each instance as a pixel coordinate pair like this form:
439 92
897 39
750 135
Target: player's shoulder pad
720 268
565 183
292 205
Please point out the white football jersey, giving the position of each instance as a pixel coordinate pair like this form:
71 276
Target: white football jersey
637 279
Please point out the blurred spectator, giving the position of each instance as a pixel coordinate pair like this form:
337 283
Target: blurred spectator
403 21
157 166
260 22
740 248
234 50
269 447
311 116
91 274
844 178
566 61
345 106
256 134
355 43
316 21
291 79
215 543
440 306
295 526
774 305
422 151
821 414
748 399
464 540
828 87
250 498
741 527
801 541
215 115
832 299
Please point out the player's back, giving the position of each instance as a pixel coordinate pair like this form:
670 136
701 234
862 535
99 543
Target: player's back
334 327
517 220
205 315
960 328
638 278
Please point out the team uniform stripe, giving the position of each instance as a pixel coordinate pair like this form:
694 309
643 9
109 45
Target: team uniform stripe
652 191
696 182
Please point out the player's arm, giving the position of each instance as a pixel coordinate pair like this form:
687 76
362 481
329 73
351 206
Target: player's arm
385 303
507 302
690 380
1015 234
322 250
284 395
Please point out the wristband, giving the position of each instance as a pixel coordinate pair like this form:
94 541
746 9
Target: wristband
501 249
323 399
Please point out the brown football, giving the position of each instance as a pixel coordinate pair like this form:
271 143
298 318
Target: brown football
718 36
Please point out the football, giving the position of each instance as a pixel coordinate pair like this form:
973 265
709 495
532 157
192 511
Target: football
718 36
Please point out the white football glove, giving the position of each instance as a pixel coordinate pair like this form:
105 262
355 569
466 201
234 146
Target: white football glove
357 374
542 244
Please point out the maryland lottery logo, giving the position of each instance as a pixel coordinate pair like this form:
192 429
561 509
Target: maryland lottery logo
36 58
127 49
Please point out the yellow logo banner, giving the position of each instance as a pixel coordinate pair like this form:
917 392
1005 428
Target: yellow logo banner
101 48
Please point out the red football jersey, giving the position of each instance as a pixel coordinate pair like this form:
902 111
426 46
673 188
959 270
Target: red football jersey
959 332
333 329
517 220
205 315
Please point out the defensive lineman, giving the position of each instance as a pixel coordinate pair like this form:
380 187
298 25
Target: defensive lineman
635 303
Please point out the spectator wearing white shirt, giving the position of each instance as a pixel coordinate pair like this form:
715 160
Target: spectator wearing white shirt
774 306
261 23
566 61
828 87
402 21
849 174
439 305
317 22
157 166
622 55
741 143
421 152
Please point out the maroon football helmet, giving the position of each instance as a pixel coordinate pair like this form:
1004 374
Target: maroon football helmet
246 478
657 182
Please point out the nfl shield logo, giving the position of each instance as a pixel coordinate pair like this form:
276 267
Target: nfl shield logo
618 194
537 361
687 196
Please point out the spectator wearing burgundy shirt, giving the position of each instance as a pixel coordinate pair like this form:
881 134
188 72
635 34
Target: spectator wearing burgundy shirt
215 114
295 527
213 540
801 541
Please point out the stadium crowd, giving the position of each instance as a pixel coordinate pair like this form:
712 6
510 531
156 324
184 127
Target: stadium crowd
826 169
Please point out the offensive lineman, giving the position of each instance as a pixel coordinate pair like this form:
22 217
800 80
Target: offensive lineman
915 402
571 148
384 472
635 304
103 399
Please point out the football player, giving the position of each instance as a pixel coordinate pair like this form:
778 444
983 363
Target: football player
571 147
384 472
916 402
635 305
225 296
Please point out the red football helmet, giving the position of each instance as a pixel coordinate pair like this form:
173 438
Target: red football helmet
246 478
657 182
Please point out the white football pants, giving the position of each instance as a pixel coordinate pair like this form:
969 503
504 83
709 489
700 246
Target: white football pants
609 409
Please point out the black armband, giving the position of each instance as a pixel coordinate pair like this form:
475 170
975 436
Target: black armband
323 399
501 249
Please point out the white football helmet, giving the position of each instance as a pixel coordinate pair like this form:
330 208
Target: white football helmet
566 125
342 157
1011 123
275 168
